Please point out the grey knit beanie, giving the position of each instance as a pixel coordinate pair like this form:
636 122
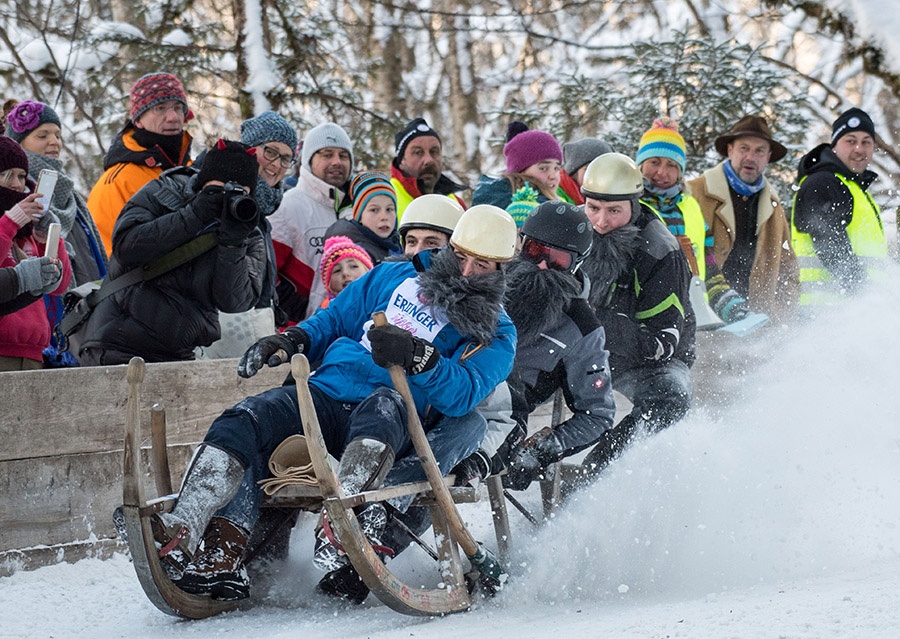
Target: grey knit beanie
577 154
324 136
268 126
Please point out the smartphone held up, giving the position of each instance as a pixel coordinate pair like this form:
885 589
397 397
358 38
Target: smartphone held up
45 186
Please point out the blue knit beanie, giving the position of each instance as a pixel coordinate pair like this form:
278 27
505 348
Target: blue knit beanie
268 126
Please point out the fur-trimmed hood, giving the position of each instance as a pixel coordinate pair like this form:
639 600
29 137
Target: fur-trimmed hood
536 299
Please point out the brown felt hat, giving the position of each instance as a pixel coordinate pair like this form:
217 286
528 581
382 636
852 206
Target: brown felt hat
753 126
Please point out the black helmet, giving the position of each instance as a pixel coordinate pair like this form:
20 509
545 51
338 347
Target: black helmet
561 225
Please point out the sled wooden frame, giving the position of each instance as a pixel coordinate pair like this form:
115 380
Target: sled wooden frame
454 596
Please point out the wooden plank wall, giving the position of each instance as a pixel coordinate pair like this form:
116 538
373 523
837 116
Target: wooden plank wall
61 435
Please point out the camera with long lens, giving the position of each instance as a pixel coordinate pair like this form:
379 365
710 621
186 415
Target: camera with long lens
238 205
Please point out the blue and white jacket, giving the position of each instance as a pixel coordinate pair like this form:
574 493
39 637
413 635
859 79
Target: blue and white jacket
466 373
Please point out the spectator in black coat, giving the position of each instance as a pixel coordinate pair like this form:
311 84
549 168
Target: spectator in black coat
166 317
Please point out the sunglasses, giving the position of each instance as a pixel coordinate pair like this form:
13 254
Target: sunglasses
536 252
272 155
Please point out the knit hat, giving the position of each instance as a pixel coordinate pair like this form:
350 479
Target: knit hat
662 140
852 120
12 156
415 129
268 126
337 248
367 185
153 89
530 147
581 152
324 136
26 116
230 161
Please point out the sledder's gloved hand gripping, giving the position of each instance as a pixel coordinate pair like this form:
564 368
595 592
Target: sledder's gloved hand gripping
529 462
266 351
393 346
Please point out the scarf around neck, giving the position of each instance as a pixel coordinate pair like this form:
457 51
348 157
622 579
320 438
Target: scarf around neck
738 185
663 200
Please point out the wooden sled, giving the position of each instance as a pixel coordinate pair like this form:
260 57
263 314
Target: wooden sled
455 593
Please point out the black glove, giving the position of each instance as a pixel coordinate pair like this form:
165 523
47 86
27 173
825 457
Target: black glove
531 459
292 341
233 232
393 346
476 466
209 204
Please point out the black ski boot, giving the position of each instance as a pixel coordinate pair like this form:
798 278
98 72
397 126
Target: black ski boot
344 581
218 569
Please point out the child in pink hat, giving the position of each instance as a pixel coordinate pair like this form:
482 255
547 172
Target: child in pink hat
342 262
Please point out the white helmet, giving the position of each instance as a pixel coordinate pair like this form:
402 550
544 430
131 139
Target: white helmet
431 211
612 177
486 231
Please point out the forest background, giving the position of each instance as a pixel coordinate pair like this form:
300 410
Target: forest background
576 68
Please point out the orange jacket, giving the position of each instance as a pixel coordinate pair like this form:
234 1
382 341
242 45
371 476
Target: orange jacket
129 166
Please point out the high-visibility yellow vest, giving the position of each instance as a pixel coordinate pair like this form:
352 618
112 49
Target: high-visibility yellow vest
694 228
866 234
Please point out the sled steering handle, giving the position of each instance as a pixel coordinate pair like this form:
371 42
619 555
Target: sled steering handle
426 456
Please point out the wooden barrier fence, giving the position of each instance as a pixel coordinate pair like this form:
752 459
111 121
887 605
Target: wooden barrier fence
61 435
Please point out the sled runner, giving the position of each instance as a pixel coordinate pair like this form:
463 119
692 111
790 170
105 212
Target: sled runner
456 587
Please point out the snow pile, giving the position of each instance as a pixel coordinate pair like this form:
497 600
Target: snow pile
800 479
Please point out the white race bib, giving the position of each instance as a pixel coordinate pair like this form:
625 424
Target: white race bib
406 310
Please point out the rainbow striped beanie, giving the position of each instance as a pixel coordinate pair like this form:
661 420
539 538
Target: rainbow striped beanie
662 140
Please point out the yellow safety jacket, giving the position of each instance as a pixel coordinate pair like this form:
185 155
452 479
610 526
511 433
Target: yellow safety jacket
694 228
866 234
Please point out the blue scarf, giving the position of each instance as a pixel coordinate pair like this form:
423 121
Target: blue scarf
738 185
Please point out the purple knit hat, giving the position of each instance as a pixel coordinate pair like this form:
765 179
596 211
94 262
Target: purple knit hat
530 147
26 116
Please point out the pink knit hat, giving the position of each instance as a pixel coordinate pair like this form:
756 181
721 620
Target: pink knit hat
530 147
337 248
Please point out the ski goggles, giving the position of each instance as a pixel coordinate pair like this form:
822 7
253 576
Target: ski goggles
537 252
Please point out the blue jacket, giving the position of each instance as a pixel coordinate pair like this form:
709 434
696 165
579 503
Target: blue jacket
466 373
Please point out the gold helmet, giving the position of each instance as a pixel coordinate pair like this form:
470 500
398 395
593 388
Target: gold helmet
612 177
486 231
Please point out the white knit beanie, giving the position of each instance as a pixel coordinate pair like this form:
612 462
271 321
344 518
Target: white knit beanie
324 136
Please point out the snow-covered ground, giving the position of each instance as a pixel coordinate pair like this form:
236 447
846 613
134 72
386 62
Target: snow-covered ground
773 517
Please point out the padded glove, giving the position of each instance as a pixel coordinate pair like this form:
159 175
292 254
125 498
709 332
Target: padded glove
731 307
37 275
266 351
209 204
393 346
529 462
473 468
233 232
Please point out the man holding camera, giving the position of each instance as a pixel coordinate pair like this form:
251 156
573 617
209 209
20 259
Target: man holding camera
193 238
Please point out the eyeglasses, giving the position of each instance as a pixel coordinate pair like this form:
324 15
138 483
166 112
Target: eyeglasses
536 252
272 154
163 108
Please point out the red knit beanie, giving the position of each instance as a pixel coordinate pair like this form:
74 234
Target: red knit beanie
337 248
153 89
